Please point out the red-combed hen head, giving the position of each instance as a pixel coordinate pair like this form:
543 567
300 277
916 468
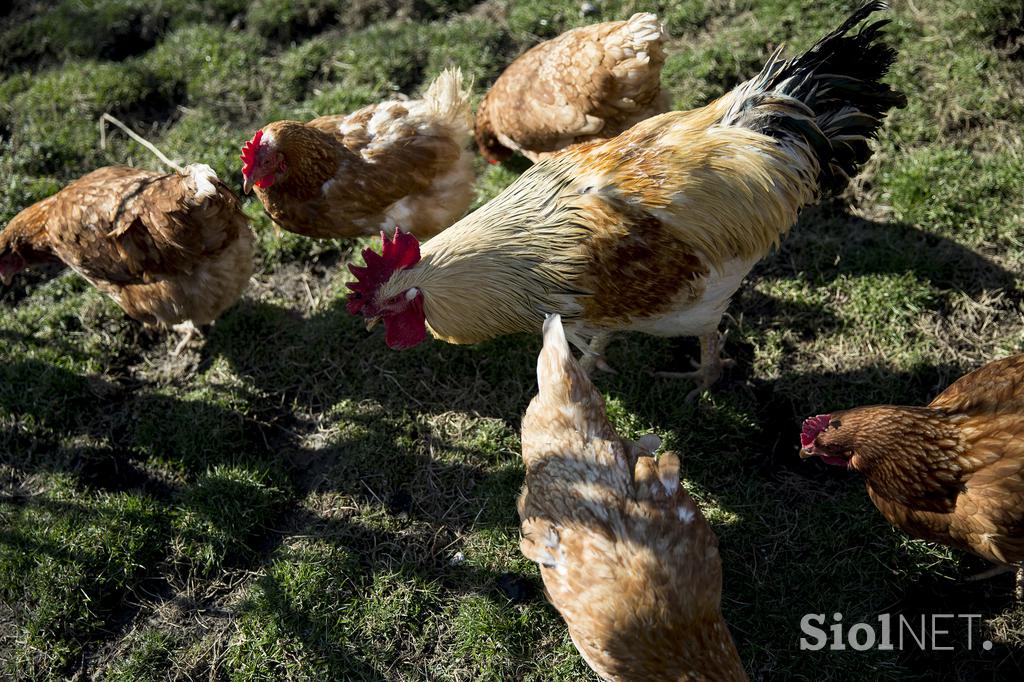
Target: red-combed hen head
376 296
262 162
822 436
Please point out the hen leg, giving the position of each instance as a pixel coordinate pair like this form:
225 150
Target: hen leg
594 357
188 331
710 368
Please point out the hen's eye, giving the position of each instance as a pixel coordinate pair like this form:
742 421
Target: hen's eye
834 424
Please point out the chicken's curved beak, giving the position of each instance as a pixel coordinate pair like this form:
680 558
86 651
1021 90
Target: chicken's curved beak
247 183
806 453
371 323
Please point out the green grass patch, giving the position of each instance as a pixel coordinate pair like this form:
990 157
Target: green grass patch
292 500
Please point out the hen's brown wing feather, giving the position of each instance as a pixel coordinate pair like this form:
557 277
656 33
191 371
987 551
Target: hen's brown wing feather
996 383
395 157
125 225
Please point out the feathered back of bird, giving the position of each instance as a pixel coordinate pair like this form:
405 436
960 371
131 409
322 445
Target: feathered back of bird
591 81
625 554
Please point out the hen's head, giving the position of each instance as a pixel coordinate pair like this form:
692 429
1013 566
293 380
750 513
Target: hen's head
11 263
377 295
22 245
487 140
263 161
823 436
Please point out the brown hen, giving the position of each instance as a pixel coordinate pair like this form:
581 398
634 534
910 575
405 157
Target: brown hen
169 248
588 83
626 556
952 472
404 163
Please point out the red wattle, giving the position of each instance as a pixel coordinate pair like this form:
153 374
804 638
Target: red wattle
407 328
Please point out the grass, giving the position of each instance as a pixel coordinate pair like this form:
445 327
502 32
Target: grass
292 500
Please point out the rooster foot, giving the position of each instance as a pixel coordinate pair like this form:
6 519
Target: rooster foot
592 362
705 377
594 356
708 370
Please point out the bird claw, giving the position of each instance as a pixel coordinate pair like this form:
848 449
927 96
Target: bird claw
188 331
705 376
591 362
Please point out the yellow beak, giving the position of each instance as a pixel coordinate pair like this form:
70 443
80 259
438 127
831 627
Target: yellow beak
371 323
805 453
247 184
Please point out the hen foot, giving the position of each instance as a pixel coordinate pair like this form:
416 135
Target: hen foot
188 332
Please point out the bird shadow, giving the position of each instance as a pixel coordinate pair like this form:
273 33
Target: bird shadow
828 243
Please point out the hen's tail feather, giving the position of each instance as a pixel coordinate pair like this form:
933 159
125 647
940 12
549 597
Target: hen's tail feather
556 359
829 98
447 99
643 32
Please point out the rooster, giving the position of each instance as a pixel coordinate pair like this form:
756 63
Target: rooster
626 556
169 248
588 83
650 231
404 162
952 472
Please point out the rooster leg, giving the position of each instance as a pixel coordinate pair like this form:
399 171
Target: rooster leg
188 331
594 357
710 368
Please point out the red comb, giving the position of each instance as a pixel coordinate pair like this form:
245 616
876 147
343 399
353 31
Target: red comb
396 254
248 156
812 427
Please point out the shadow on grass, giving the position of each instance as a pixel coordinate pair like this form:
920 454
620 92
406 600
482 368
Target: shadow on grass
828 243
432 491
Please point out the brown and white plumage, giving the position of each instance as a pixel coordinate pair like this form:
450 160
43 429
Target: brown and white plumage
590 82
951 472
396 162
626 556
652 230
169 248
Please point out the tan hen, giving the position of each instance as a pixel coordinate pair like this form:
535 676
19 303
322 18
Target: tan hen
626 556
404 163
588 83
